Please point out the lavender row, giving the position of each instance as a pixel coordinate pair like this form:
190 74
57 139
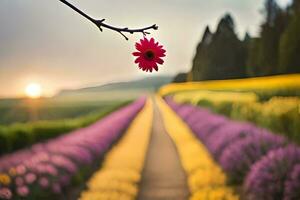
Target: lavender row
266 164
47 168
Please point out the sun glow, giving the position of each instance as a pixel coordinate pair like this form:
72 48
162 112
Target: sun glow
33 90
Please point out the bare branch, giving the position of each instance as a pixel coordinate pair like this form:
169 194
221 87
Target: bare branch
100 23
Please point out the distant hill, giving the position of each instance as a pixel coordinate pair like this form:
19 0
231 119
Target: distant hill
128 89
149 83
73 103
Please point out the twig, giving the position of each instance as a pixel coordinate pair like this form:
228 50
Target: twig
100 24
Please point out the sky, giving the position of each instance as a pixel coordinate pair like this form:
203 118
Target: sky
48 43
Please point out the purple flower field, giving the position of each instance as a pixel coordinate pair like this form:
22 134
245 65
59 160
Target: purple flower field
51 166
266 165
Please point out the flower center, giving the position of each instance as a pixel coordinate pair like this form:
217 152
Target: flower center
149 55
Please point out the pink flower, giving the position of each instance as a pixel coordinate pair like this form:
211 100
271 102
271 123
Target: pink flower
44 182
19 181
5 193
21 169
30 178
56 188
149 54
23 191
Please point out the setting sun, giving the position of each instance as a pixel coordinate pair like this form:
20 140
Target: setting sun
33 90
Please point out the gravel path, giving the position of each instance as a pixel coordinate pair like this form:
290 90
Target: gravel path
163 177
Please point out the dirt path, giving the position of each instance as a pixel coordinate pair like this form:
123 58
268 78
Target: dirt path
163 177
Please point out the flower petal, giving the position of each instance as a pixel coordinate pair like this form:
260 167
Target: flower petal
159 61
144 42
138 60
137 53
139 47
152 41
163 51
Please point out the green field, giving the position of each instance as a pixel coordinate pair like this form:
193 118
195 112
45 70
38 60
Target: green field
28 110
27 121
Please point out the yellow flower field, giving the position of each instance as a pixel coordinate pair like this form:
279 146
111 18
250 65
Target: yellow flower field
283 82
272 114
206 180
121 170
194 97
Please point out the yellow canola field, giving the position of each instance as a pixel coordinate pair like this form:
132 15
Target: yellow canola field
194 97
206 180
261 83
273 114
120 173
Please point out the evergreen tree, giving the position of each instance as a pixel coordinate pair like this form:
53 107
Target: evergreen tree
201 58
220 55
263 56
290 43
254 58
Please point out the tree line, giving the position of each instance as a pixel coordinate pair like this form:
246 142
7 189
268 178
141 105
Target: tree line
222 55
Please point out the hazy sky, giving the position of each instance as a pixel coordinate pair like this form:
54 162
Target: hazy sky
46 42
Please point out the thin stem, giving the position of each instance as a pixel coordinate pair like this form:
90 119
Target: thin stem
77 10
100 24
